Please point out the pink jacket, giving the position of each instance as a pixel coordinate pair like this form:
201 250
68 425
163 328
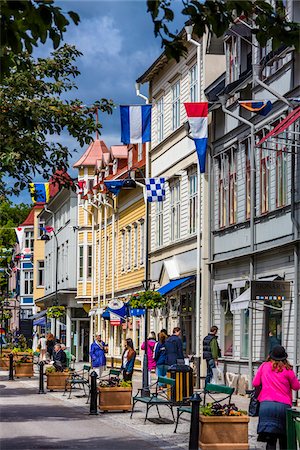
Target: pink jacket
150 353
276 386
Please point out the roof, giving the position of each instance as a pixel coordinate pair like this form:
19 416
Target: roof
119 151
173 285
58 180
29 221
94 152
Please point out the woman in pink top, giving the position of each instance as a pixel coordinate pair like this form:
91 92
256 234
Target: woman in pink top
277 380
151 343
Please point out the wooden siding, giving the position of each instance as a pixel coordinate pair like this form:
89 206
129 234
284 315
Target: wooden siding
81 216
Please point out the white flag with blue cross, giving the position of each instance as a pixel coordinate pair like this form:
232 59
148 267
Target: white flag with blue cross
155 189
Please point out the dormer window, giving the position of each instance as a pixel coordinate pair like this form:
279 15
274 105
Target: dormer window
106 171
232 63
115 166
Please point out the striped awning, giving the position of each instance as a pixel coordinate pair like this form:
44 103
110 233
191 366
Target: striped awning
282 126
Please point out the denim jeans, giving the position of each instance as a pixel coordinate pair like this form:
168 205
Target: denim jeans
210 363
161 371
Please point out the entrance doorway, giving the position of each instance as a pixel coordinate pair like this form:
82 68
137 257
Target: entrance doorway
80 339
187 322
273 324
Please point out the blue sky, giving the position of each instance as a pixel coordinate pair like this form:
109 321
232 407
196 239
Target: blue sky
118 45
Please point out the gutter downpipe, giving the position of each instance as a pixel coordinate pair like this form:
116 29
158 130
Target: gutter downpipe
54 321
91 337
252 231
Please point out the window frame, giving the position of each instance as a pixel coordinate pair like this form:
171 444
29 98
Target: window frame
135 245
89 261
40 274
28 282
29 239
81 262
232 186
176 105
281 177
264 183
142 242
159 224
193 77
193 202
175 193
123 250
160 119
129 248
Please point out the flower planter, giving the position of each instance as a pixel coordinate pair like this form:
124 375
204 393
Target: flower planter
223 433
4 363
24 370
115 398
57 380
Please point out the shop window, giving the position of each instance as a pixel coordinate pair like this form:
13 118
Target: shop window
227 323
273 330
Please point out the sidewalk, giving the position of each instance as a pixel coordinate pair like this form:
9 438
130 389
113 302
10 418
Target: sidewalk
53 421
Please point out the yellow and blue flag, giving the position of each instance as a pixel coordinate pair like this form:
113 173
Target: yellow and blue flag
40 192
261 107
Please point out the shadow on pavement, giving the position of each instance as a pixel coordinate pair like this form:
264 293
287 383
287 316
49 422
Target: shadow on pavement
37 412
12 392
101 442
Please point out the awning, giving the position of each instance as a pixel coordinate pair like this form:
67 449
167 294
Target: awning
241 302
282 126
95 312
238 284
220 287
38 315
121 313
39 322
173 285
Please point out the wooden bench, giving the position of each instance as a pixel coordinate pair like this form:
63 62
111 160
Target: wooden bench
158 398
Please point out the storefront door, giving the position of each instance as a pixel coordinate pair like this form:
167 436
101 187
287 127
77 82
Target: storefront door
273 326
80 339
187 322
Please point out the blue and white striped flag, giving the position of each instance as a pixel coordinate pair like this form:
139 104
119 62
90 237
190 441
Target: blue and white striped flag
155 189
135 124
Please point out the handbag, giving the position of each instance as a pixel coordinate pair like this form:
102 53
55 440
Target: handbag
253 410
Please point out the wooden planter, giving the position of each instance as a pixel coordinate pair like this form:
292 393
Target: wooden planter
57 380
115 398
24 370
223 433
4 363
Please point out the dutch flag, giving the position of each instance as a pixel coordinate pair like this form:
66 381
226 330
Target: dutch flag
197 114
135 124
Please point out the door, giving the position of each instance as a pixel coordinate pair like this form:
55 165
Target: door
273 325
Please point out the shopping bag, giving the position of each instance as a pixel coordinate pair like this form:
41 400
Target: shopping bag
254 404
218 376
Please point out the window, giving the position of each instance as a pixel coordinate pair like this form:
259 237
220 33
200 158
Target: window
175 211
264 182
281 178
29 240
232 187
273 65
245 333
223 186
176 105
62 261
160 119
194 84
81 261
248 179
136 245
89 261
123 255
40 273
142 242
129 248
58 262
228 323
66 259
159 224
232 59
40 230
140 152
130 158
28 282
193 202
107 257
49 276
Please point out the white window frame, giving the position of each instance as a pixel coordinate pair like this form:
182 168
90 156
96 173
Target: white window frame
81 262
193 73
89 261
66 260
160 119
128 248
142 242
140 151
28 282
136 245
40 231
29 239
193 202
107 257
123 250
159 224
176 105
41 273
175 211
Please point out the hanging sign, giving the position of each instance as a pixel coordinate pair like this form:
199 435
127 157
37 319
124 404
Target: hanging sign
114 319
115 304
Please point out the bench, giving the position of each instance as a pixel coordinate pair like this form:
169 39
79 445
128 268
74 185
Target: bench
79 378
157 398
210 390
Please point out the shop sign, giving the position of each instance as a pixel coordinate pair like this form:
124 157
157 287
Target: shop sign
270 290
114 319
115 304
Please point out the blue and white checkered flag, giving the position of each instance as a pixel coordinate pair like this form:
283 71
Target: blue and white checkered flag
155 189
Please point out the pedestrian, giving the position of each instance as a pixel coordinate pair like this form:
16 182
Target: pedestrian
174 349
59 358
160 356
211 352
151 343
128 359
42 345
50 344
276 379
273 341
97 353
69 355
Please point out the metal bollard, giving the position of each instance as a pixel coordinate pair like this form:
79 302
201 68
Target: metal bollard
94 395
194 430
11 367
41 379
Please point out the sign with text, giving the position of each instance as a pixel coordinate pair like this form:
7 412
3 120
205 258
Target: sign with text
270 290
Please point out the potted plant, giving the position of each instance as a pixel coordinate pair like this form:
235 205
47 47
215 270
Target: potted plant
4 361
223 427
56 312
24 367
115 395
56 380
147 299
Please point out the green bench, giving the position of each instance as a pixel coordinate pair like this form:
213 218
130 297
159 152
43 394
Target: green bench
210 390
78 379
158 398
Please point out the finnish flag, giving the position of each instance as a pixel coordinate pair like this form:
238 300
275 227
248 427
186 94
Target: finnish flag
135 124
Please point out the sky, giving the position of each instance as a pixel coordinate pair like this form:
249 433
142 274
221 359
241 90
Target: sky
118 45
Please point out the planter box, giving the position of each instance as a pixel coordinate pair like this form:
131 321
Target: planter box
57 380
24 370
223 432
4 363
115 398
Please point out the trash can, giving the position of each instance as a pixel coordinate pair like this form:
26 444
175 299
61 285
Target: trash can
183 376
293 427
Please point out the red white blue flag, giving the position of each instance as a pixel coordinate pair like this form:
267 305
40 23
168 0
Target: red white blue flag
197 114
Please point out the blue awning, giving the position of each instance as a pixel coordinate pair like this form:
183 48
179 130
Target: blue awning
41 321
173 285
122 313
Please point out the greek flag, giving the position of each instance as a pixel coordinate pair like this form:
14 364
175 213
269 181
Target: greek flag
135 124
155 189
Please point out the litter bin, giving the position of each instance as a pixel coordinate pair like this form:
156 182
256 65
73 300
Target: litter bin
183 376
293 427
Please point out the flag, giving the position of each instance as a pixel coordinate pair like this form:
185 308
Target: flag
20 231
282 126
40 192
155 189
47 229
262 108
197 114
114 186
135 124
80 186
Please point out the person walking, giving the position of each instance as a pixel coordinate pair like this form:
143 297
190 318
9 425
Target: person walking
174 350
151 343
211 352
128 359
277 380
160 356
97 353
59 358
42 345
50 344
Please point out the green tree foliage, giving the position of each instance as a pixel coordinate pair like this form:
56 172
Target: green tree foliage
217 15
33 115
25 24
